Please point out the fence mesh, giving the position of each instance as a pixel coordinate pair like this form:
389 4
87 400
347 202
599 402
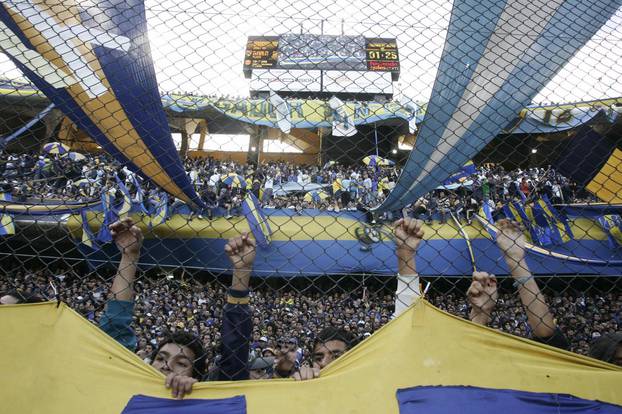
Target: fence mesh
167 116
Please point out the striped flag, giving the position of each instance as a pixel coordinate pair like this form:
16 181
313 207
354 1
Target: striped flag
6 197
612 225
487 213
140 194
257 220
110 216
465 172
161 212
515 211
126 205
88 238
558 217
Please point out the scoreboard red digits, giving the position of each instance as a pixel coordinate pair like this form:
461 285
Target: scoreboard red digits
382 55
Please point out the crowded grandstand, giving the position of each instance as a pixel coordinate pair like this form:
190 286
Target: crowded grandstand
372 220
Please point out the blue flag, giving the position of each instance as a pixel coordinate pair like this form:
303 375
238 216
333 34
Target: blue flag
463 399
141 404
257 220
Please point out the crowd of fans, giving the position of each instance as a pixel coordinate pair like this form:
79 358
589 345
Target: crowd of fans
335 187
290 317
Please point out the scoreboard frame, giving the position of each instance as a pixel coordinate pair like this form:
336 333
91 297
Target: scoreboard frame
262 52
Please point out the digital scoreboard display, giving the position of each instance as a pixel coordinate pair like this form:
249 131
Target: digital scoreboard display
382 55
321 52
261 52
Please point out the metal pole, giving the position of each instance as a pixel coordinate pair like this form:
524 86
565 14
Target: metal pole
376 138
321 135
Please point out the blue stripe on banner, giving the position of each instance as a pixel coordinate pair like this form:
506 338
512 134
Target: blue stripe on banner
141 404
452 399
467 108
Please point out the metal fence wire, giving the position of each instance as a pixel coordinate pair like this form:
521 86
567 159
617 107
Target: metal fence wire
249 189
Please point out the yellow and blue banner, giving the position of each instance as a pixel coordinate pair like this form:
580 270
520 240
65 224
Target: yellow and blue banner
6 197
257 221
486 76
450 352
93 62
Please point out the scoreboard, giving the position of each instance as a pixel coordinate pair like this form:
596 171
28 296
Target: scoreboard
322 52
382 55
261 52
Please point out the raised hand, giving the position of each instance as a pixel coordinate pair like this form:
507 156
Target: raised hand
408 234
306 373
241 251
482 295
511 240
127 236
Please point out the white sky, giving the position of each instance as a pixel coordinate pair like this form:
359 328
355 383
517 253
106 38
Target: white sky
198 46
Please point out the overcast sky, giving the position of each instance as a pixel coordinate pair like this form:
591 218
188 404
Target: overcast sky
199 46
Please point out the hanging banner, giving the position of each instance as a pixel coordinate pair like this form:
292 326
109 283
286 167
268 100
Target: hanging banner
497 57
102 77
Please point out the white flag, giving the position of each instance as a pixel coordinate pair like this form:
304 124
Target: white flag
281 108
343 124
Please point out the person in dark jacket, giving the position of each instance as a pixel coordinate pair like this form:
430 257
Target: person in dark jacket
608 348
181 357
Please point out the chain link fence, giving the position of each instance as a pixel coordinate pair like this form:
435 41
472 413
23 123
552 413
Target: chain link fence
249 145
